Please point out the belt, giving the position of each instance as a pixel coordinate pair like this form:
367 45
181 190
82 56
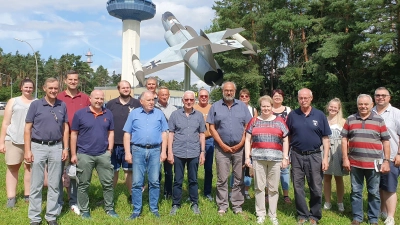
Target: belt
148 146
307 152
45 142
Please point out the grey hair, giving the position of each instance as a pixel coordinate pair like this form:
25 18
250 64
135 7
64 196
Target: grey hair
298 93
364 96
223 84
382 88
203 89
188 92
145 92
151 78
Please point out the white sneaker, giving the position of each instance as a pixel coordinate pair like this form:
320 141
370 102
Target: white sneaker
384 215
247 195
260 219
75 209
274 221
340 207
389 221
327 205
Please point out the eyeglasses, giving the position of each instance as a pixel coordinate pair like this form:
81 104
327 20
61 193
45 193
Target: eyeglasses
244 96
304 98
203 96
54 114
188 99
383 96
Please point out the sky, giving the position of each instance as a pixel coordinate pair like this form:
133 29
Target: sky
59 27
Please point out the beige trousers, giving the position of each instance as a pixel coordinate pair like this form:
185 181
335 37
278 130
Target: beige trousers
266 171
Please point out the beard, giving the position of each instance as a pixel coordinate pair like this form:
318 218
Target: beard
124 95
228 98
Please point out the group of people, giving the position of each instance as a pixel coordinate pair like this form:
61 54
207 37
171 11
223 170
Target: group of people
139 135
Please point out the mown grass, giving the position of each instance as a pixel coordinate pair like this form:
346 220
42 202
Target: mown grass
286 213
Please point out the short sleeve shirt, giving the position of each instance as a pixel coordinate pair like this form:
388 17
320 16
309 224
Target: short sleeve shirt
229 122
79 101
186 143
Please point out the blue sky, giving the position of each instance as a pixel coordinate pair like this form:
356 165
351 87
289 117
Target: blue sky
58 27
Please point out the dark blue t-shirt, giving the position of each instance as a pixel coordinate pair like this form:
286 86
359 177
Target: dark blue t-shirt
92 131
306 132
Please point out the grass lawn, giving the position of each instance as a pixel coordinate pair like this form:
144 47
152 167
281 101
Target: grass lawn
286 213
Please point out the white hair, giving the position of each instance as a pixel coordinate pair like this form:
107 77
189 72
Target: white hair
188 92
223 84
364 96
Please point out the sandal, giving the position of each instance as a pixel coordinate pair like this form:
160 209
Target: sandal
287 200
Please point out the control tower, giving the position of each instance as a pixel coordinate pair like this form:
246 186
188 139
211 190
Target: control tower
131 12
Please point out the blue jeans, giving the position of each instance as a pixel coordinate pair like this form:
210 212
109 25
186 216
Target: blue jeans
285 178
145 160
246 180
208 164
357 185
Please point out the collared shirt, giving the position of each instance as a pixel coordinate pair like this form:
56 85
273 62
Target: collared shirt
47 121
306 132
229 122
392 121
365 139
79 101
204 111
167 110
92 130
120 113
146 128
187 129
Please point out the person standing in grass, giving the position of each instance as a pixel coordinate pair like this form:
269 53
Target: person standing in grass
336 122
389 181
46 132
12 141
364 139
186 145
268 145
92 140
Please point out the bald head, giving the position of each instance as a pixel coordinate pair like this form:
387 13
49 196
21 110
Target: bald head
97 99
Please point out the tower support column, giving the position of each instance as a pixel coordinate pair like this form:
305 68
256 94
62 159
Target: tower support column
130 45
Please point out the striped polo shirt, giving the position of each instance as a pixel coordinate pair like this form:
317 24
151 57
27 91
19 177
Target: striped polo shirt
365 139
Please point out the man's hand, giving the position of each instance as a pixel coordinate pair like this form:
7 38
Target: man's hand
28 156
64 155
285 163
226 148
128 157
74 159
163 156
346 164
170 158
385 168
397 161
236 148
202 158
325 165
247 162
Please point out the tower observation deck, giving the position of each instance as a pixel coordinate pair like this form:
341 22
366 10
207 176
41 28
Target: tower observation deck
131 12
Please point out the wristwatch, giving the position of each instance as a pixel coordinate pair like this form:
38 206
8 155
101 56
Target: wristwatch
66 149
386 160
287 157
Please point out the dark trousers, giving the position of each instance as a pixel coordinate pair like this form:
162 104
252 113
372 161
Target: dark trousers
168 177
208 164
307 167
179 169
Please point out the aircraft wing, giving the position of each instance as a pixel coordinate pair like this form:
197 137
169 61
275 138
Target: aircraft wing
225 45
165 59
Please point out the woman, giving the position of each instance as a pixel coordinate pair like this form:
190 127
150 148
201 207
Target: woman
267 143
336 122
283 111
12 141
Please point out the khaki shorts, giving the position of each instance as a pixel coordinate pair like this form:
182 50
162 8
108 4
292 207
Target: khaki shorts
14 153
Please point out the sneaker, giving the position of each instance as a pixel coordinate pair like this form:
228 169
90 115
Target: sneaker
53 222
173 210
313 222
260 219
11 202
75 209
195 209
340 207
247 196
301 221
384 215
86 215
112 213
221 212
209 198
355 222
327 205
156 214
274 221
389 221
34 223
134 216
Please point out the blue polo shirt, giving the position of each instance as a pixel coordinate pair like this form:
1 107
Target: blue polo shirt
306 132
47 121
92 130
146 128
229 123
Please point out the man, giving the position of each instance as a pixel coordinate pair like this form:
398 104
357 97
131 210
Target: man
92 140
151 85
75 100
363 136
186 143
144 138
46 132
388 182
227 119
308 130
167 109
120 108
204 107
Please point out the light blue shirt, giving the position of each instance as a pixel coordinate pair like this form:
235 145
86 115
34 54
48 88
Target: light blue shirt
146 128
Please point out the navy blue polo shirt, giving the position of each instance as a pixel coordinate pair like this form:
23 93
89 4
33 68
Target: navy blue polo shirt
306 132
229 123
47 121
120 113
92 130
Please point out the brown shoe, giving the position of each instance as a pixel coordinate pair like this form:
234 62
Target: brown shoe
355 222
301 221
313 222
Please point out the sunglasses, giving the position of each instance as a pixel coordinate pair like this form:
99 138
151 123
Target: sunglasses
383 96
54 115
188 99
203 96
244 96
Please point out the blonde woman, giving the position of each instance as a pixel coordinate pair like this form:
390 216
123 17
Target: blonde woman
336 122
267 143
